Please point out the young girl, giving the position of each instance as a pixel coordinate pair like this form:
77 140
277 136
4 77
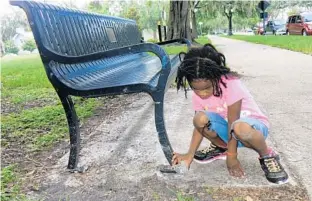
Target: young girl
226 114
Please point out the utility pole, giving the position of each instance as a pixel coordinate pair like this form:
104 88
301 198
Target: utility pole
263 5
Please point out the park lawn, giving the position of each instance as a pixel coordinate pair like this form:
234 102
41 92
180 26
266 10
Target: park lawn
31 108
32 116
295 43
178 49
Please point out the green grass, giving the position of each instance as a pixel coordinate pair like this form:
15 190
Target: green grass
203 40
178 49
182 197
295 43
11 184
41 127
37 117
35 120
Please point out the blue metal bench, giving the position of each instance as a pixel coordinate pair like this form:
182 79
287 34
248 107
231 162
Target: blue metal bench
91 55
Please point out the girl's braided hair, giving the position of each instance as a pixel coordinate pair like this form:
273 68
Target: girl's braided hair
203 63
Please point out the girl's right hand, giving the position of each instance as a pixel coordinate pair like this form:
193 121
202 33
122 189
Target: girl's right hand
187 158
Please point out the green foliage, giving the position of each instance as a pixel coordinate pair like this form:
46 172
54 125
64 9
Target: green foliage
293 11
39 119
29 45
10 186
10 47
182 197
212 14
97 6
152 40
182 48
11 183
11 21
152 12
202 40
132 13
145 13
275 5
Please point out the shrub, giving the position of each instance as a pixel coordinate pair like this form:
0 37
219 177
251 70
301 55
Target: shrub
152 40
29 45
10 47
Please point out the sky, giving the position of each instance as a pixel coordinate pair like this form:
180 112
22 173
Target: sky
6 8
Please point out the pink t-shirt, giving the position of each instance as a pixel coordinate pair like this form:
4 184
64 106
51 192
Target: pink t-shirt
234 92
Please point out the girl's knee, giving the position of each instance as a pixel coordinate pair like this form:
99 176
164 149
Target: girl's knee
200 120
242 131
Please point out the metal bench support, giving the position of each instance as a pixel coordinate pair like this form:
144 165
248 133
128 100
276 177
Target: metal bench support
74 131
160 126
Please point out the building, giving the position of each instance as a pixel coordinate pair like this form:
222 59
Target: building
21 37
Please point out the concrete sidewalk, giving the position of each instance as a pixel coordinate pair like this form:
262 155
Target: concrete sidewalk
123 152
281 82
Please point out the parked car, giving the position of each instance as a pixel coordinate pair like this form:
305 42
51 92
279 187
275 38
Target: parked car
276 27
300 24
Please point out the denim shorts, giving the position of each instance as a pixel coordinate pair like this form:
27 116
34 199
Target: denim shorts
220 126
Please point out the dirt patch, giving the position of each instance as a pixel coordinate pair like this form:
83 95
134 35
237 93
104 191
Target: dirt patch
286 192
157 189
7 107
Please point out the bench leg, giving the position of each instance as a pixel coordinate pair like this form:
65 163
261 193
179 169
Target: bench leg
74 133
160 127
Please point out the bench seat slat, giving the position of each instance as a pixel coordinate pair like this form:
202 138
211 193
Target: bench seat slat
102 74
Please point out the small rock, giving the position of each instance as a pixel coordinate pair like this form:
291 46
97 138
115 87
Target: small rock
73 182
30 173
248 198
181 168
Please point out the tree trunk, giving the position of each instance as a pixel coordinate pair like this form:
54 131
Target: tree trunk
194 27
229 17
179 20
230 33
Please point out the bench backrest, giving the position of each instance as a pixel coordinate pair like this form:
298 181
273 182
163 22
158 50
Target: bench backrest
70 32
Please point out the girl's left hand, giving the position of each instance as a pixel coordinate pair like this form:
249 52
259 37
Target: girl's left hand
234 167
187 158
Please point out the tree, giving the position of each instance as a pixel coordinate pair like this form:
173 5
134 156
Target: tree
276 7
132 13
10 22
234 11
179 20
10 47
228 9
152 12
29 45
98 6
2 51
194 5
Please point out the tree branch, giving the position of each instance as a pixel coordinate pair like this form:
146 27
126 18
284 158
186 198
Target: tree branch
196 4
225 12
